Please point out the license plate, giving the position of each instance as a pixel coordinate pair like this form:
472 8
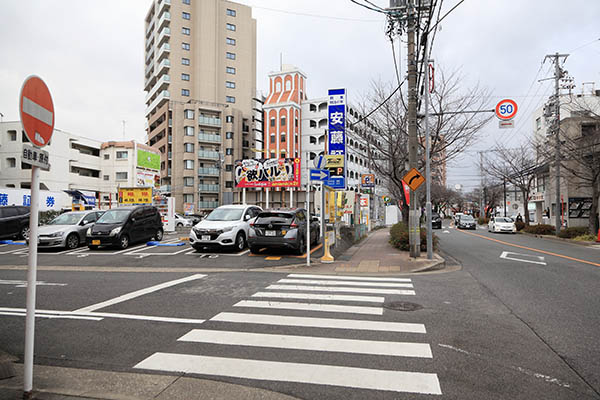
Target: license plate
95 243
205 237
269 233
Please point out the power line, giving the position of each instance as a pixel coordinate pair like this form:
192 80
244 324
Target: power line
369 8
379 106
585 45
445 15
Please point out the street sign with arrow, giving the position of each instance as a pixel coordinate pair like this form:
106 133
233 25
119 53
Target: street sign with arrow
319 174
414 179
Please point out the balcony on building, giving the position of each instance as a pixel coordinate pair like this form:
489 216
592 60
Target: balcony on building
209 155
163 52
208 188
164 36
209 120
150 28
165 188
203 171
163 66
209 138
149 70
161 84
164 19
245 144
150 41
164 5
160 99
208 204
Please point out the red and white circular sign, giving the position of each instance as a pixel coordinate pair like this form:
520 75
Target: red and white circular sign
506 109
37 111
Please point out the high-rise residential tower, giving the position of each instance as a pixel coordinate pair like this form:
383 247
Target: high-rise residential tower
200 79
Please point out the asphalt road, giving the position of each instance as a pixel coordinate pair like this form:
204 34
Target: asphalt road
498 328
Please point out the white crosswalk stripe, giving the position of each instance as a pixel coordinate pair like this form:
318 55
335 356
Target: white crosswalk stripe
243 333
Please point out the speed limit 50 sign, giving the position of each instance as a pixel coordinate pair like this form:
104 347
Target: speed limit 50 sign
506 109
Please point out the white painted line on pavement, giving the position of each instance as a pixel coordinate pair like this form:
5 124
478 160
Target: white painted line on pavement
396 349
144 317
348 283
350 278
319 322
282 305
138 293
22 284
505 255
361 378
11 251
311 296
341 289
51 316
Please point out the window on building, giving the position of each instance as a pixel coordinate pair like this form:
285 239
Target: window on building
11 162
121 176
231 41
185 31
185 92
106 177
185 15
188 147
231 27
188 164
229 119
272 138
229 151
282 121
188 181
273 121
288 85
230 70
231 12
188 198
121 155
188 130
283 137
229 167
185 77
107 156
278 87
229 184
188 114
272 154
230 55
296 122
12 136
186 2
185 61
229 135
230 85
185 46
283 154
230 99
538 124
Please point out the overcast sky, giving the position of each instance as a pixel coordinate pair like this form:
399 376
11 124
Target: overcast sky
90 53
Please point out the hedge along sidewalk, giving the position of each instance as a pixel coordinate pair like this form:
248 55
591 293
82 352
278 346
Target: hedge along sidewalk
558 239
376 255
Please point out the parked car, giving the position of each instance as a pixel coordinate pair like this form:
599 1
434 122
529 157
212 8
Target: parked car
457 217
225 226
466 222
282 228
67 230
14 222
125 225
195 218
181 221
436 221
501 224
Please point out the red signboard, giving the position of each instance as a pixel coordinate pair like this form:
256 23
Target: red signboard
267 173
37 111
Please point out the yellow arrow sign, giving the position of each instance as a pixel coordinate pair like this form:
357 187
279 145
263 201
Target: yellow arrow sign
334 161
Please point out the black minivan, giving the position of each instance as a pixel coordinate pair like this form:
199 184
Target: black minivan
14 222
125 225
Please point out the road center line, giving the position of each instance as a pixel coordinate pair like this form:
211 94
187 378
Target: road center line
137 293
532 249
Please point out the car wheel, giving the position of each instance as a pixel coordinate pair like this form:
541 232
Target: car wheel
240 241
159 235
124 242
300 250
254 249
179 225
24 233
92 247
72 241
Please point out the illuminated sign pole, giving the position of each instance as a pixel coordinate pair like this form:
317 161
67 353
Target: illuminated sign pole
336 141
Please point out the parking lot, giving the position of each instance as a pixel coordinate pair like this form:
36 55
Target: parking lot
173 251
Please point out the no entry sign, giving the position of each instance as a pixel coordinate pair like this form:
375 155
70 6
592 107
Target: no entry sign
37 111
506 109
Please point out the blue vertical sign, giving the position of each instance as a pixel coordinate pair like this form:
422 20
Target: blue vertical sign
336 144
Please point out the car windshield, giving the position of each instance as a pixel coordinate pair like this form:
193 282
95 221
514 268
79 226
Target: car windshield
467 218
504 219
114 217
225 214
66 219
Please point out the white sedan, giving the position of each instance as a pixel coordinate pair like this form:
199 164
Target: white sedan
502 224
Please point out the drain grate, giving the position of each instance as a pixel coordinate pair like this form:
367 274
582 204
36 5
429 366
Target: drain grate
402 306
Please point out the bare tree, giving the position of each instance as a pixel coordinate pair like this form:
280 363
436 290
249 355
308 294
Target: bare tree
493 197
515 165
452 128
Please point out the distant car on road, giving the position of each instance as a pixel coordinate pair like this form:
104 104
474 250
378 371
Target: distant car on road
466 222
502 224
225 226
181 221
436 221
282 228
457 217
67 230
125 225
14 222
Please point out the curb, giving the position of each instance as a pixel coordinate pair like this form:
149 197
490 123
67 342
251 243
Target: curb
558 239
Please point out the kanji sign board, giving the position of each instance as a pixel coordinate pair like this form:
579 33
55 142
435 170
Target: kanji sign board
414 179
37 111
34 156
336 142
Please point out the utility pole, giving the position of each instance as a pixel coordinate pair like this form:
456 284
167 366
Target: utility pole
481 197
555 101
428 164
504 196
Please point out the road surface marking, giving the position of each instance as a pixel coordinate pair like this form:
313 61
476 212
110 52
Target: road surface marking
138 293
332 282
310 307
272 258
22 284
311 343
11 251
361 378
50 316
341 289
350 278
532 249
319 322
87 251
311 296
506 257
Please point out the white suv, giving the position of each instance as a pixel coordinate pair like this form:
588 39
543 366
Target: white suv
225 226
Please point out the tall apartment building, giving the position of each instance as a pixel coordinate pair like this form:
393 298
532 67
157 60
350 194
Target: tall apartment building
200 79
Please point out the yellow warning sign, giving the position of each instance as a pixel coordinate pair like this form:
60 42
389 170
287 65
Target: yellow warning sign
414 179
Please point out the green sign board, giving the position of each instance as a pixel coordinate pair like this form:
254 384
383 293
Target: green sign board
146 159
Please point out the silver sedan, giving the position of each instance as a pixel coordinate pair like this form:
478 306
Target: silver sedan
67 230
